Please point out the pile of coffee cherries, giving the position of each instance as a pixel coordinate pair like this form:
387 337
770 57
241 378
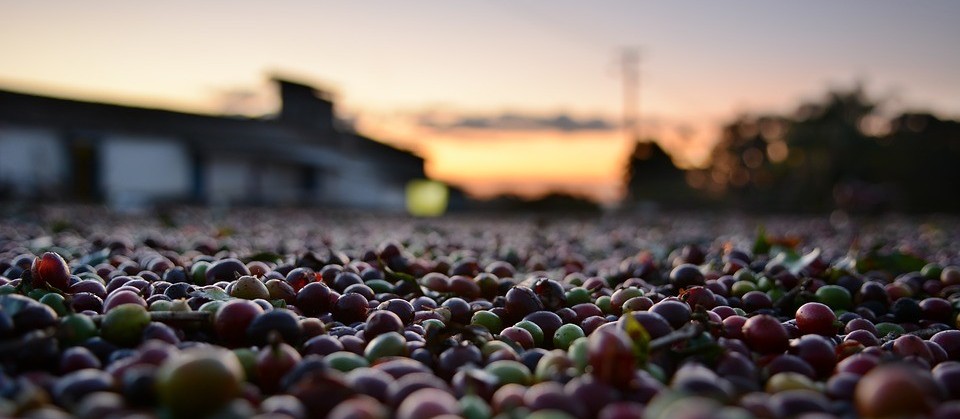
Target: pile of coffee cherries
300 314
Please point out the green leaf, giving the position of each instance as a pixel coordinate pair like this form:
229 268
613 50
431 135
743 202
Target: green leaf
400 276
761 245
895 262
60 225
792 260
443 312
511 343
846 264
40 244
478 335
805 261
640 338
278 303
405 277
265 257
95 258
703 346
11 304
212 292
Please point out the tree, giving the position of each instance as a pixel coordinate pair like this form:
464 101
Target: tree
652 177
792 163
821 158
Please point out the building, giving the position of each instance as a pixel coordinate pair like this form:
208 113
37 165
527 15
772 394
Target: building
132 156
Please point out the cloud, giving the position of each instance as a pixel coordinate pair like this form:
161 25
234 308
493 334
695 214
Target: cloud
517 122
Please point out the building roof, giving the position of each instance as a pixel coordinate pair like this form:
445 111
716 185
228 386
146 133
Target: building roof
273 137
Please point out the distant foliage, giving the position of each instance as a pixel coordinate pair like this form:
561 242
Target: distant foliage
836 154
652 178
555 202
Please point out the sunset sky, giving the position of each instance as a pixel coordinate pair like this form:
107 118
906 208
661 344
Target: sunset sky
499 95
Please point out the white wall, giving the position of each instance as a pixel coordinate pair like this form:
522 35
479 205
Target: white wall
31 159
227 180
138 170
355 183
232 179
280 184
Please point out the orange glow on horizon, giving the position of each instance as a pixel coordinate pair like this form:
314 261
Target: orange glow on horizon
703 63
484 162
487 162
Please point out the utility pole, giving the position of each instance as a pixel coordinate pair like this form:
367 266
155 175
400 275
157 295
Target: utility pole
630 68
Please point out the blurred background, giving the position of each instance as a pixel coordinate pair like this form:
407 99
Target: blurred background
538 105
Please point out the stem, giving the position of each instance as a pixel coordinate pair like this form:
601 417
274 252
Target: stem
784 302
170 316
157 316
927 333
688 331
17 344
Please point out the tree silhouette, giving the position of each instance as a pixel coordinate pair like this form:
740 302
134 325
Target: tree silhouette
821 158
652 177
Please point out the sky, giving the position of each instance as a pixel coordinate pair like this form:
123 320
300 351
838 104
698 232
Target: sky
500 95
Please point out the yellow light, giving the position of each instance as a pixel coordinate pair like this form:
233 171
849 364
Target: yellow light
427 198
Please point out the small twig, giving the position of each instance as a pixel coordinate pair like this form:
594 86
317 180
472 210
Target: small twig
17 344
170 316
926 333
785 302
688 331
